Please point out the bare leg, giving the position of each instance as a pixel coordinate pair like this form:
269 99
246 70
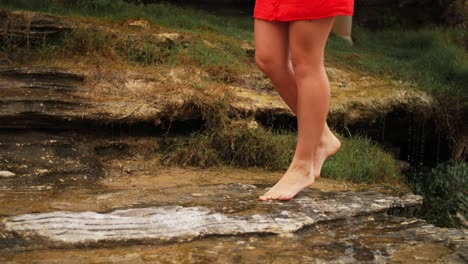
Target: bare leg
307 43
273 58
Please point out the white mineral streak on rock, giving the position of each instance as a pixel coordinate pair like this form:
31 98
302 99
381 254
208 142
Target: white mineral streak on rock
185 223
352 204
6 174
162 223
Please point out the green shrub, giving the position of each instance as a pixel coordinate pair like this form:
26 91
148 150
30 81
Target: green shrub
445 190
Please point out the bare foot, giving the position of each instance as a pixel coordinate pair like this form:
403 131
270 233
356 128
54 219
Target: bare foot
298 177
302 175
329 146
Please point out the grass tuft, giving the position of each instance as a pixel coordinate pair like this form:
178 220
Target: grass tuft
145 50
230 140
221 59
361 160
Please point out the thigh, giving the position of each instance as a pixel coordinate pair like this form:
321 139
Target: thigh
307 39
271 41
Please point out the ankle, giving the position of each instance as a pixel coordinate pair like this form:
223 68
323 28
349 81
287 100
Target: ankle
303 167
327 137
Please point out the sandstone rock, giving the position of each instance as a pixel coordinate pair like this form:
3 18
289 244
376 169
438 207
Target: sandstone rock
140 23
30 26
171 38
209 216
186 223
34 97
356 240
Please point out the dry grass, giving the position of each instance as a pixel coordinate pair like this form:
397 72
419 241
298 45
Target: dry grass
118 46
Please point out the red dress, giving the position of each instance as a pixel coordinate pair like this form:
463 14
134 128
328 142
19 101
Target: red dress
289 10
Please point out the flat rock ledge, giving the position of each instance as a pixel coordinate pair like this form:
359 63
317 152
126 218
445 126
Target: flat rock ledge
177 223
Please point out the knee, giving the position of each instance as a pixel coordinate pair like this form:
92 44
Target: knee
268 63
304 66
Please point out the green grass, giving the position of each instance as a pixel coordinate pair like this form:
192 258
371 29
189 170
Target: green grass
230 140
216 55
177 18
430 58
359 160
222 59
91 45
239 146
362 160
207 43
145 50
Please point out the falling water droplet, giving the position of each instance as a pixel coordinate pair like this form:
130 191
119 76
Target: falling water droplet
422 143
438 147
409 141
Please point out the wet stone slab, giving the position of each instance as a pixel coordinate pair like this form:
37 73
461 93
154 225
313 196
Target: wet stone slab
176 223
140 213
364 239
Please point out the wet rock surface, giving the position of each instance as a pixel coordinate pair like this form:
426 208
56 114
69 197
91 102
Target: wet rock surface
378 237
185 223
139 212
41 159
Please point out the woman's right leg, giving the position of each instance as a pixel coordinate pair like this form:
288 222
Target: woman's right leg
273 58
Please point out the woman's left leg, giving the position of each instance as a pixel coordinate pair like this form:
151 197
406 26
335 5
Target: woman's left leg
307 41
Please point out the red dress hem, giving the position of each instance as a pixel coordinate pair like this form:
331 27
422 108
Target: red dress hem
286 19
291 10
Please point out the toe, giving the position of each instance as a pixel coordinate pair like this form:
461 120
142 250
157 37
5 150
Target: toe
275 196
265 197
285 197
